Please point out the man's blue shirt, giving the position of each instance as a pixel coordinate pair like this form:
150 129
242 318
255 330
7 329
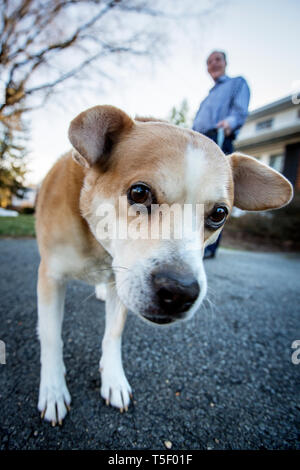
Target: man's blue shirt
228 99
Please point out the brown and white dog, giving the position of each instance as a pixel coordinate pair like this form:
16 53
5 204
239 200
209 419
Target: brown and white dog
149 162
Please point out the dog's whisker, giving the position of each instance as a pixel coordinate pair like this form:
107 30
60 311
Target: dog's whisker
89 274
120 267
121 284
87 298
209 302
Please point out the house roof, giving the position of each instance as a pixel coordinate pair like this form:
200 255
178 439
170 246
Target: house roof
271 108
276 136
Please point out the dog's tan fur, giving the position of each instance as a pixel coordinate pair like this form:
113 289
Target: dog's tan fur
110 153
58 217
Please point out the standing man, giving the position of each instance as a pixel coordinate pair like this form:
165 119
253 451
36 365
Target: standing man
223 112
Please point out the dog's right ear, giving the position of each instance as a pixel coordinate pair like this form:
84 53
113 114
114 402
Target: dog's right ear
94 132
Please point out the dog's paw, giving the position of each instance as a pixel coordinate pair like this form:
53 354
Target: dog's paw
100 291
54 399
115 389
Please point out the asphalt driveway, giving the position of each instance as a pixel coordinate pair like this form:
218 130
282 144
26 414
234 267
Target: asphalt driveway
224 380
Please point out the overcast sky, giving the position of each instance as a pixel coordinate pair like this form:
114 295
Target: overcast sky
260 37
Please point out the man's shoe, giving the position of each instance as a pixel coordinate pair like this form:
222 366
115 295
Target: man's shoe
209 254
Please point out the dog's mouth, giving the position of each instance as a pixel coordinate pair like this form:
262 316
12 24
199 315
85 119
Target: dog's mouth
161 319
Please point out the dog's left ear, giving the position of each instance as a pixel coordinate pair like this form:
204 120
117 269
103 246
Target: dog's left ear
94 132
258 187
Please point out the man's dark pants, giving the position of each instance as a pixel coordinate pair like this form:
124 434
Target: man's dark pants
227 148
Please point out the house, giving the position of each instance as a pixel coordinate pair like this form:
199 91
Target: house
272 134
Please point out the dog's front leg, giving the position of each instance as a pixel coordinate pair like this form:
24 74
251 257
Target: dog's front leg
54 397
115 388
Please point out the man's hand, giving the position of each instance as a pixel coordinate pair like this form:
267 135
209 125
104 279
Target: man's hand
226 127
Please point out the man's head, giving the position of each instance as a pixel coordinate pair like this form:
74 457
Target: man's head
216 64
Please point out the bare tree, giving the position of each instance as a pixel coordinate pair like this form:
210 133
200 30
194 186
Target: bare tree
45 42
179 115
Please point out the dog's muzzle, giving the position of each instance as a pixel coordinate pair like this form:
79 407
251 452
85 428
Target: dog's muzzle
175 294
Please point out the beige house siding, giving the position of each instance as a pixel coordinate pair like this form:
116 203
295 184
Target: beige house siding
267 133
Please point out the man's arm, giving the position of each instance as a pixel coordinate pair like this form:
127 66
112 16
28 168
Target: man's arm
238 111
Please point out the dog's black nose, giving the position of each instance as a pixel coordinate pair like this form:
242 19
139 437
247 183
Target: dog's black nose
175 292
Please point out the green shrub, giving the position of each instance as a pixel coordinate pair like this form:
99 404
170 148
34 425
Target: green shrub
26 210
20 226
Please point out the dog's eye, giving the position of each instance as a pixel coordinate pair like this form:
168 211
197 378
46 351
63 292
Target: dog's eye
140 193
216 218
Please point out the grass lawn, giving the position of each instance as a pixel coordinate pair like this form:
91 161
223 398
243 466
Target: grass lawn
20 226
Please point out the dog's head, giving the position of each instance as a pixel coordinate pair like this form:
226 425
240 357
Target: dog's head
142 174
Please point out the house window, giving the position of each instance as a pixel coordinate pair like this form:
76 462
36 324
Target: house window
262 125
277 162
